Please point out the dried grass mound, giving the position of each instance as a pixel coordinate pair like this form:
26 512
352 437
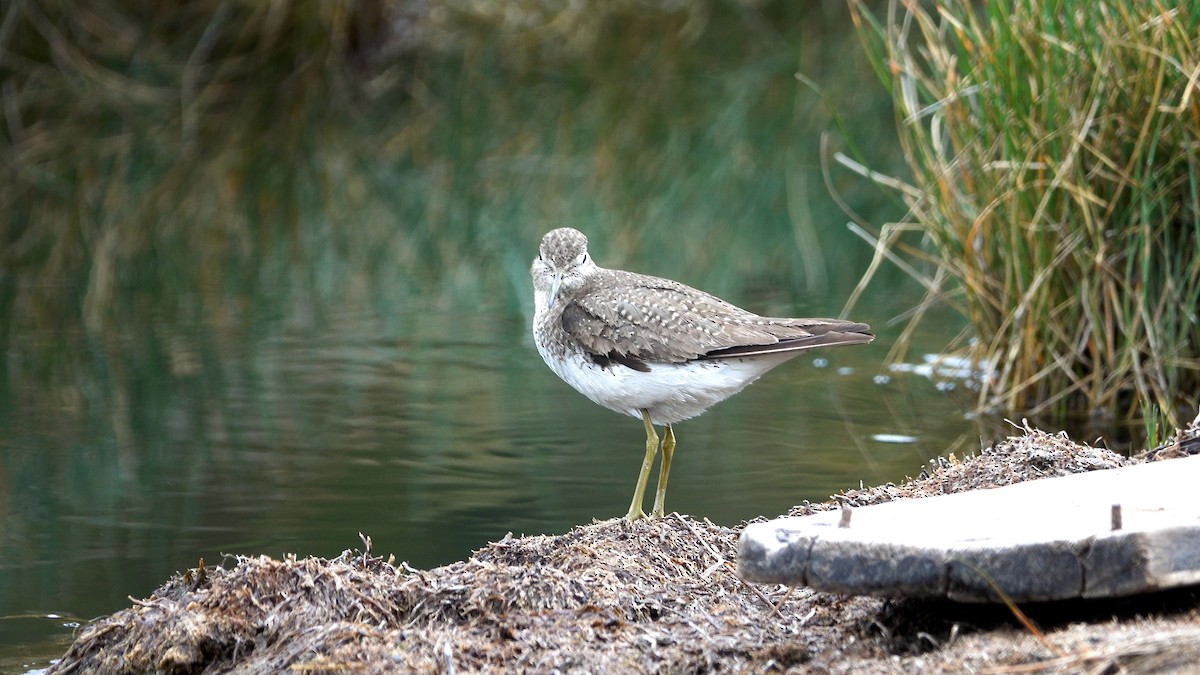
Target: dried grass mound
1034 454
605 597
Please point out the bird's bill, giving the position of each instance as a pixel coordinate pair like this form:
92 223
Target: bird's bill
552 297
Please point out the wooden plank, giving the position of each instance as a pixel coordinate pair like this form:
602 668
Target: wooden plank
1038 540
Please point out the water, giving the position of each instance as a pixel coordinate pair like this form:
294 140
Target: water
432 445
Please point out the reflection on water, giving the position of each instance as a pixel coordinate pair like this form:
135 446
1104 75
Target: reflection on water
433 444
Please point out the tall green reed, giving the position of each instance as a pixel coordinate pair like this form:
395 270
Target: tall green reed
1055 158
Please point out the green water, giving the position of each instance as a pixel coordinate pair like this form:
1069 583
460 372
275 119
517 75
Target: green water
432 444
273 358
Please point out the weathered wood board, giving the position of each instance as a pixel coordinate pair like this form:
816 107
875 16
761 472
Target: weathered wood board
1039 540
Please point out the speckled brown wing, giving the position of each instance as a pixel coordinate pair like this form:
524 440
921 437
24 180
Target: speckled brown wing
622 316
616 322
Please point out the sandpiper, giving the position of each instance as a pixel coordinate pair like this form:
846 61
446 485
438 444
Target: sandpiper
656 349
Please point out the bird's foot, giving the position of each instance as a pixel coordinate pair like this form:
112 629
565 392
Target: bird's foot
635 514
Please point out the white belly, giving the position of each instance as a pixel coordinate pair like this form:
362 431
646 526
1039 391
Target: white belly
672 392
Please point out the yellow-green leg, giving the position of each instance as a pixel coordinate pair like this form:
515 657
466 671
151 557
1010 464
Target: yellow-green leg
635 507
668 450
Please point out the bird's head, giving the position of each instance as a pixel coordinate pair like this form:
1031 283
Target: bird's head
562 265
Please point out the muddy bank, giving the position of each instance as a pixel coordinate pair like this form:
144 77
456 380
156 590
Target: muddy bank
657 596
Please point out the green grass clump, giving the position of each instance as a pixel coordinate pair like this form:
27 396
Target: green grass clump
1055 157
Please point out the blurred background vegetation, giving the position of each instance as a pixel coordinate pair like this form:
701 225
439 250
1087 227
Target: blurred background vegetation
223 165
1054 149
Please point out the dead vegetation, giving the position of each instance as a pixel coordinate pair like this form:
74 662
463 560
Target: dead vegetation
657 596
1032 455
